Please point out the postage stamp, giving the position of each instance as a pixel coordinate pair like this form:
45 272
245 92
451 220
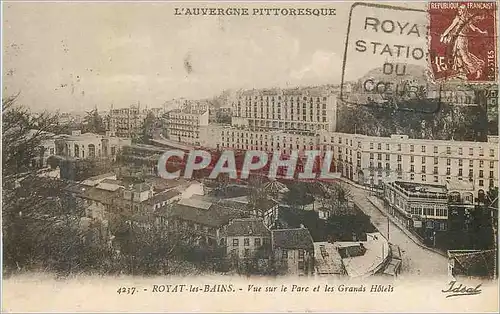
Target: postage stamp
463 41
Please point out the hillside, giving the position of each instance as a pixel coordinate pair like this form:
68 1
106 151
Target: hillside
467 123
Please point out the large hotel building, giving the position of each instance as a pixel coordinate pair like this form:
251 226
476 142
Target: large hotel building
305 119
127 122
309 110
184 125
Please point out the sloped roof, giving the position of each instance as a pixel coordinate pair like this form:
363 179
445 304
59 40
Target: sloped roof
247 227
141 187
215 216
298 238
99 195
237 203
275 187
352 251
195 203
327 258
475 263
110 185
164 196
111 181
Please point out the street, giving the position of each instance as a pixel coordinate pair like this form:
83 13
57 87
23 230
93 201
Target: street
416 259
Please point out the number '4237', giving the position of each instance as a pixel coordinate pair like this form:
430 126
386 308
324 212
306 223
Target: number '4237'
126 290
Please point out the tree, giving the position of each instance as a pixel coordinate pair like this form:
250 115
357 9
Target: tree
39 226
151 248
22 134
257 192
338 196
222 118
298 194
221 184
93 122
148 127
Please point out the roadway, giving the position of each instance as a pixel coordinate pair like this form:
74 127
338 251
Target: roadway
416 259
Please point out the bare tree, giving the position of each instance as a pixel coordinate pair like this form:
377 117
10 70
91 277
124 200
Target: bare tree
22 135
151 248
338 195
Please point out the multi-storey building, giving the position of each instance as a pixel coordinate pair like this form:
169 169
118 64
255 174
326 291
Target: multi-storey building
247 139
184 125
205 221
301 110
244 238
293 250
423 208
127 122
304 119
371 160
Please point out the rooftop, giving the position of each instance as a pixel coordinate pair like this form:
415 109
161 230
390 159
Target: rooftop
377 250
195 203
327 259
162 197
99 195
421 187
247 227
473 263
92 180
216 216
354 250
459 185
112 181
110 185
298 238
141 187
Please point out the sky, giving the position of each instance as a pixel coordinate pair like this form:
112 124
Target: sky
74 56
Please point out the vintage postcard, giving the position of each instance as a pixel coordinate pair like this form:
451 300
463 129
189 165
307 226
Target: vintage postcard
249 156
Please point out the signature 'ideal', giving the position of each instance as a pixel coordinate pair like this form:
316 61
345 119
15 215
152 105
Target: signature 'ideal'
456 290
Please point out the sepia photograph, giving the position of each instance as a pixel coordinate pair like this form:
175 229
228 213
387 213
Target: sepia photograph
214 156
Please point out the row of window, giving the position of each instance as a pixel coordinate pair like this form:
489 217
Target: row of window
441 212
448 171
264 136
291 98
423 148
246 241
380 156
436 149
491 182
292 118
273 108
173 118
301 254
448 149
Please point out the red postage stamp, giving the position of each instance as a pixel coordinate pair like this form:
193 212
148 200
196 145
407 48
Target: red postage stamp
463 41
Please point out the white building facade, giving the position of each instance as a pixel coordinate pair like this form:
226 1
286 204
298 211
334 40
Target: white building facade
371 160
89 145
185 125
302 110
